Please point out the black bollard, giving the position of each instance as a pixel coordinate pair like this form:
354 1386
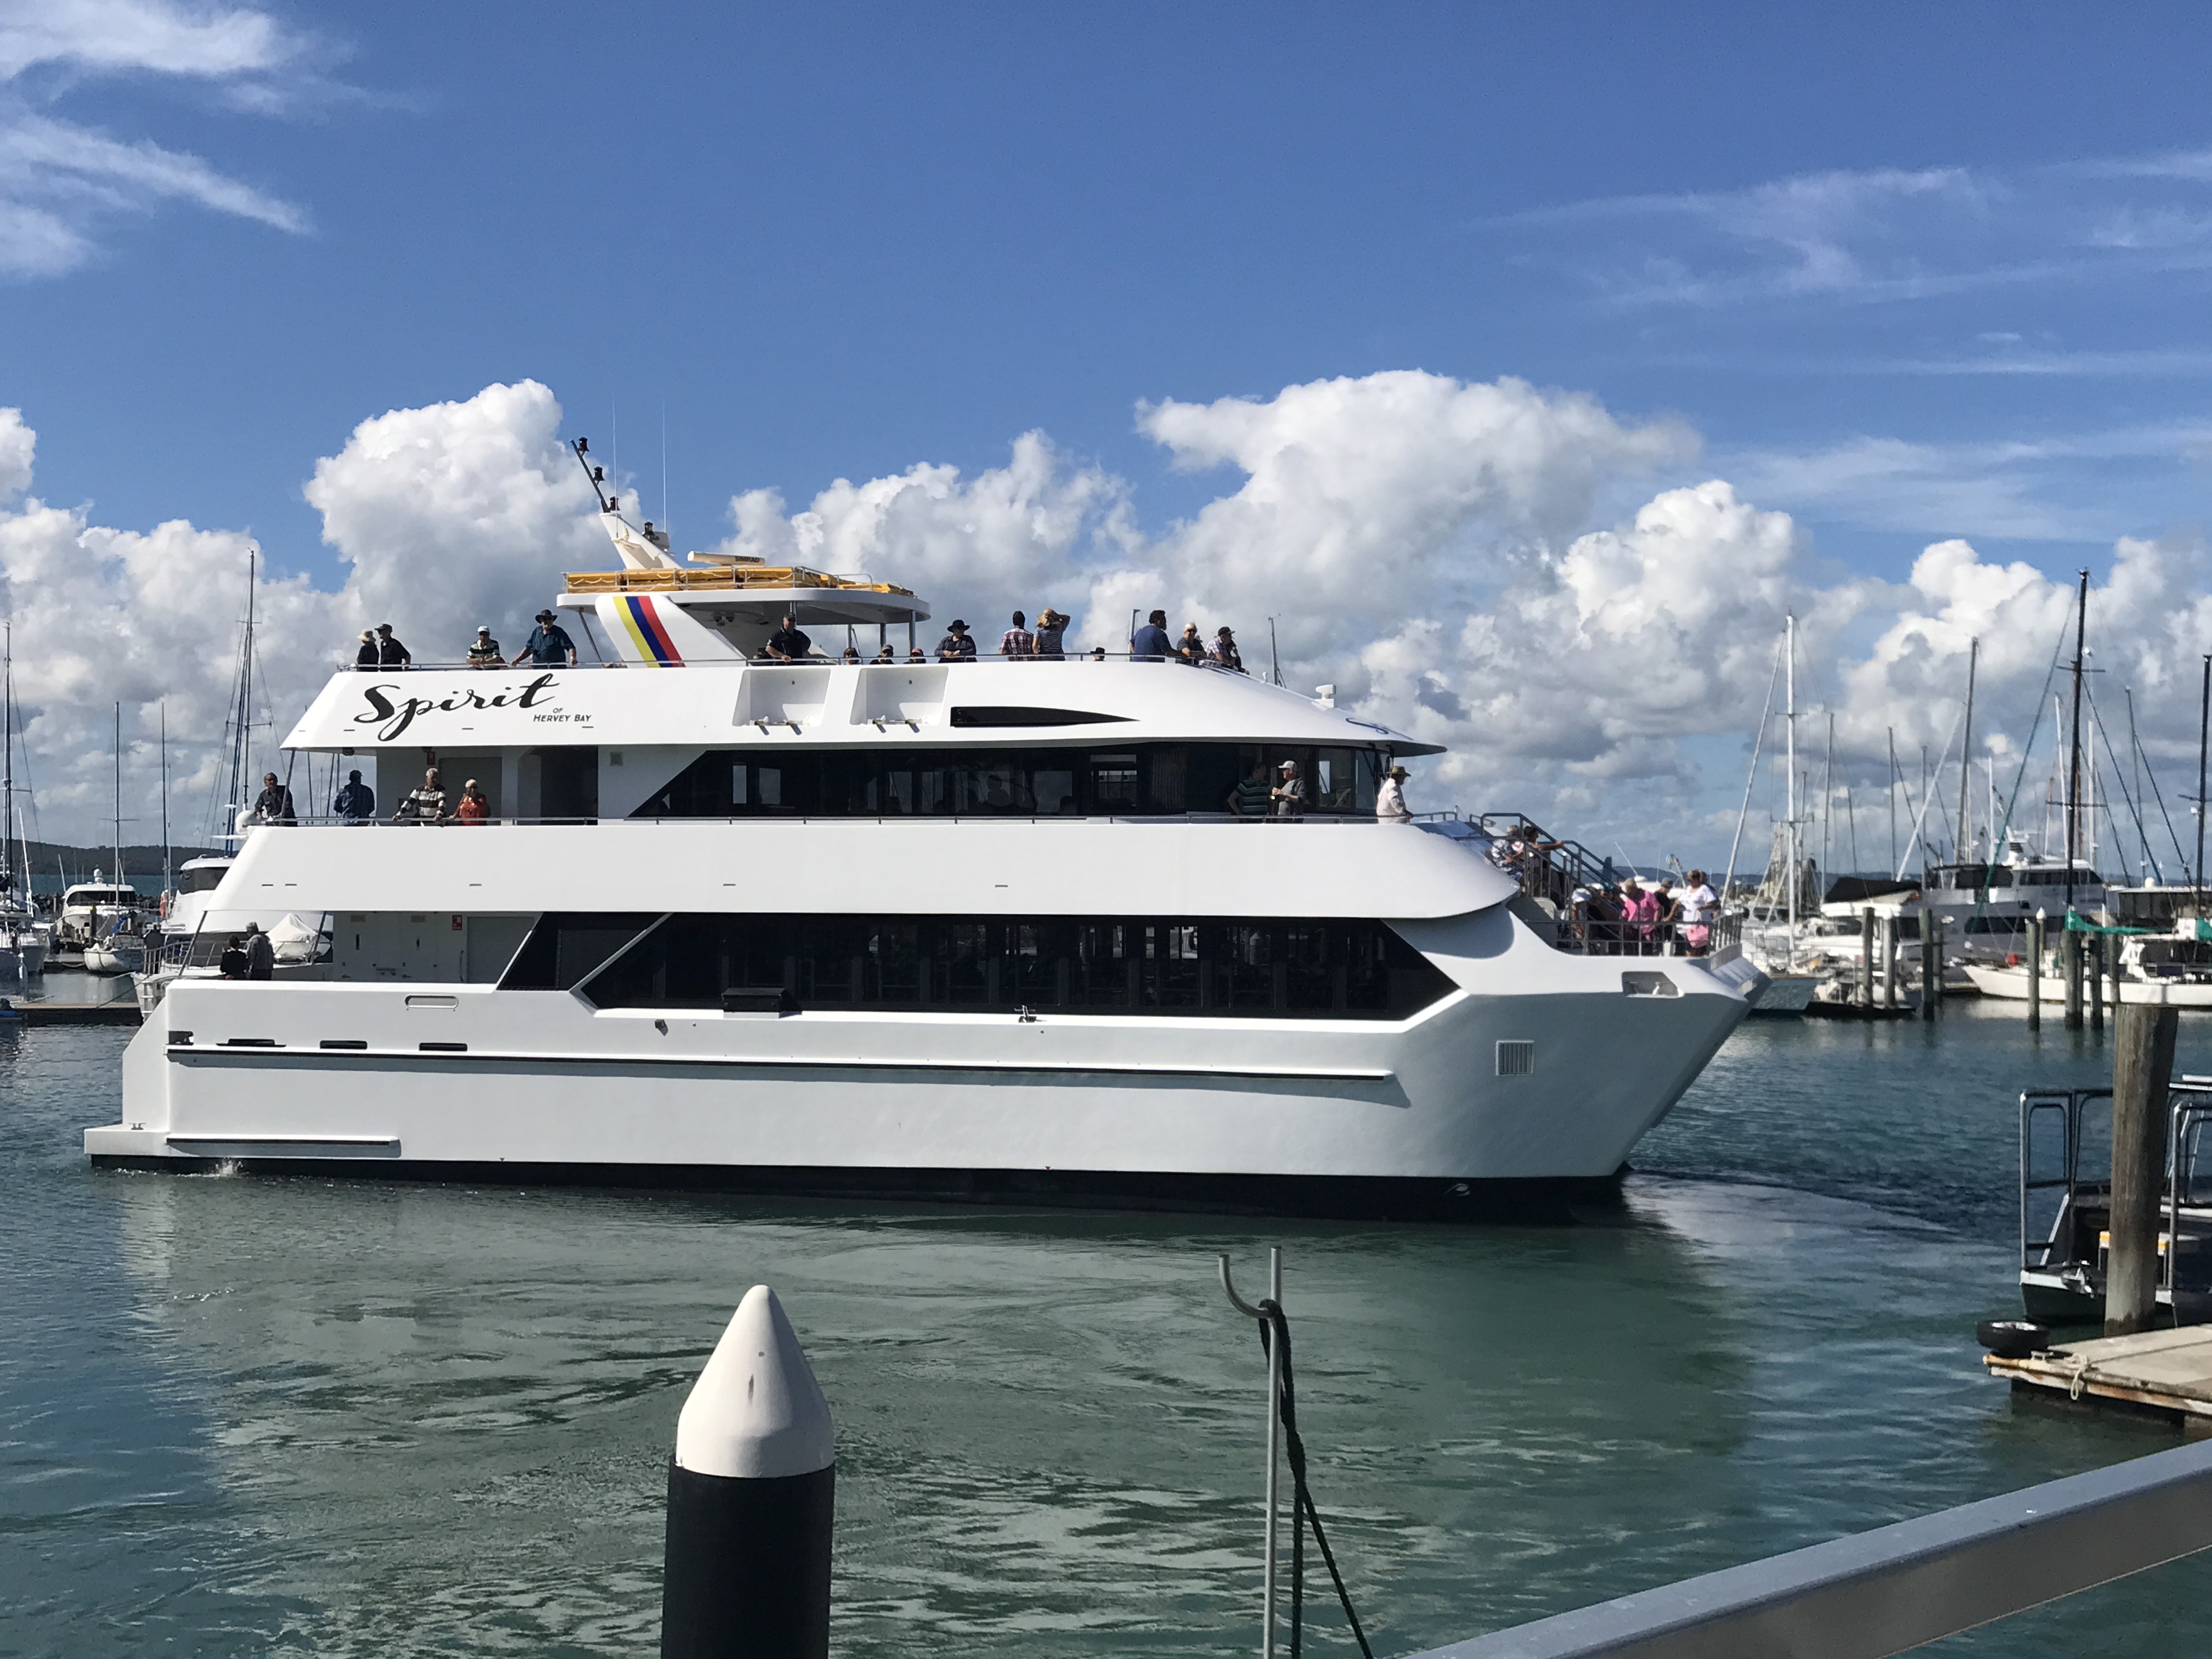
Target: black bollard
751 1500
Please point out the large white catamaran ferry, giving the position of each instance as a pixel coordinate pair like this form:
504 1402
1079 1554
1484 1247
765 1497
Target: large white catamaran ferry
961 930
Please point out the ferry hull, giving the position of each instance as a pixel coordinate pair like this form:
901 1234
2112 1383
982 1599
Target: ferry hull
1406 1118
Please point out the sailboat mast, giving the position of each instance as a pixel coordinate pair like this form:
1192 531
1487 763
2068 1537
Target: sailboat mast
168 875
1789 725
1966 748
7 767
1892 801
2074 753
2204 731
118 794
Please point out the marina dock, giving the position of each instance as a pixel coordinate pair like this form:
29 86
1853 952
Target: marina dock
2165 1371
124 1011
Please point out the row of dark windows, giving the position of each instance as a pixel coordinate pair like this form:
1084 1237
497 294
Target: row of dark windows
1276 968
1139 779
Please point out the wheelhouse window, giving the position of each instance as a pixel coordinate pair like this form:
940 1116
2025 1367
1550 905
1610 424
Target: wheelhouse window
1259 968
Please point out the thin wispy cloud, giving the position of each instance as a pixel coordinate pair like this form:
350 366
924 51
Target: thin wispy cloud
2046 488
1883 235
61 182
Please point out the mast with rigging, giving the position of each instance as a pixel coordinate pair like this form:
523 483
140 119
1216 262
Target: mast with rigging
2074 751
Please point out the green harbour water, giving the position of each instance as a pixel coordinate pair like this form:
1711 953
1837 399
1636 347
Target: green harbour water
244 1416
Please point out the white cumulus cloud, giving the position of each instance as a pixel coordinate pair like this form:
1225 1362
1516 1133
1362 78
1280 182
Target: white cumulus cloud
1448 556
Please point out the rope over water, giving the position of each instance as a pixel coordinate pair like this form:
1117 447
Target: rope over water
1274 1328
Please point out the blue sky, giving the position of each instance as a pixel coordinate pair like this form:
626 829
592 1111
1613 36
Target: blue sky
835 241
1907 274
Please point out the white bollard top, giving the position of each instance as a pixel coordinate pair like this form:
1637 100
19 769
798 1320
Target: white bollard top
756 1413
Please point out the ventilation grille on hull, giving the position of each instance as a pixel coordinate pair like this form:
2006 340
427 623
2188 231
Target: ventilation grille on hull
1517 1058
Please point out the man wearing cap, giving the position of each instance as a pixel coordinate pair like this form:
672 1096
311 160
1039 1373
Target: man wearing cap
390 653
484 652
1288 795
958 645
548 645
1390 799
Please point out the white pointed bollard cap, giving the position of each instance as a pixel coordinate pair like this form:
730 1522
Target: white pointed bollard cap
756 1412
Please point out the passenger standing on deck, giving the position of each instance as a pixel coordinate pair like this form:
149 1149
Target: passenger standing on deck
260 955
473 807
1249 798
958 645
1190 650
390 653
274 803
787 644
1699 900
1046 644
367 658
1018 641
1639 910
1289 795
356 802
1150 642
548 645
1390 799
483 651
424 805
1223 653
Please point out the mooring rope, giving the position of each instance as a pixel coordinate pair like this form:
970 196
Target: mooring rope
1274 1328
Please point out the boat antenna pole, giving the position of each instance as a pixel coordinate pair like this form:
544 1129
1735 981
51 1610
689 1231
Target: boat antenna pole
1275 656
597 474
1790 727
2073 760
1966 746
2204 730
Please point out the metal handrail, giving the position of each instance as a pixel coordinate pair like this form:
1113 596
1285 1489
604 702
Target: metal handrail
1898 1586
1070 654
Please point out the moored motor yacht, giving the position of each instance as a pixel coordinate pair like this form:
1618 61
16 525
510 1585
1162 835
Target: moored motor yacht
1093 931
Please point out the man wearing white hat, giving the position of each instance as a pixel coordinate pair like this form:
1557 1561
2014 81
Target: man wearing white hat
1390 799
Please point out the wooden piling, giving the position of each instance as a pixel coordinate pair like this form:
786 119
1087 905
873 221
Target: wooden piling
1889 962
2142 1075
2094 943
2035 974
2069 961
1866 957
1931 963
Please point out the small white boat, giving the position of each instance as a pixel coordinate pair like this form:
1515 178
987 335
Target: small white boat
2010 982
